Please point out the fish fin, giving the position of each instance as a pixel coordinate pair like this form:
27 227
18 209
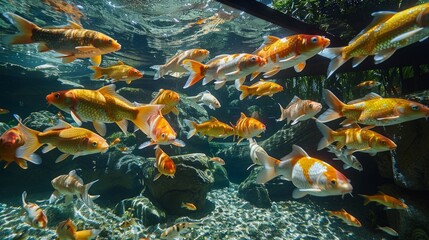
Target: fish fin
297 120
347 122
73 174
384 55
358 60
219 84
406 35
207 79
60 125
209 139
54 196
336 59
327 135
24 26
244 92
76 118
272 72
369 96
85 48
254 164
96 60
159 71
346 166
100 127
157 176
119 63
22 162
366 199
239 140
335 107
297 193
178 143
98 72
62 157
42 47
388 118
254 75
146 144
299 67
379 17
235 72
74 25
282 114
268 40
175 111
297 151
123 125
31 143
143 114
288 59
68 58
239 82
23 197
269 171
85 196
216 58
196 69
177 74
192 128
48 148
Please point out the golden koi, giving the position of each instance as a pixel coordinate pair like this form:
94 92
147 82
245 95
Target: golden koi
388 32
174 67
261 88
356 139
212 128
164 164
169 99
66 230
247 127
218 160
346 217
223 68
103 106
299 110
35 216
388 201
291 51
117 72
70 185
189 206
372 110
310 175
73 40
368 84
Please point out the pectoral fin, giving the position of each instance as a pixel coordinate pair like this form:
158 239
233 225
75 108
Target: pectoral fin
62 157
85 48
272 72
43 47
100 127
76 118
299 67
96 60
388 118
175 111
405 35
384 55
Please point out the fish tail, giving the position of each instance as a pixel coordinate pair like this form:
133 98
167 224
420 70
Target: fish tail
24 26
31 145
197 70
366 199
269 171
327 138
282 114
86 198
143 114
86 234
98 72
244 91
160 72
335 107
335 54
192 128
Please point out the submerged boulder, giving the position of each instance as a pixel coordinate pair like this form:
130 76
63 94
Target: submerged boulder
141 208
256 194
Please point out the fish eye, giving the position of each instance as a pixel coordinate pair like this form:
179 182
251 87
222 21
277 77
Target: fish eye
415 108
163 135
57 95
253 59
110 41
314 39
333 182
383 142
94 144
311 105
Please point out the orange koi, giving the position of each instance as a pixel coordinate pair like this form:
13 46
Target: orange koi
247 127
66 230
346 217
212 128
164 164
368 84
388 201
117 72
169 99
261 88
189 206
35 216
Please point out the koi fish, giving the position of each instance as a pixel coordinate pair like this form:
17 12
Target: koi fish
368 84
161 132
218 160
189 206
223 68
66 230
388 201
164 164
388 230
11 140
114 142
102 106
261 88
177 229
46 66
73 40
206 98
291 51
35 216
68 139
169 99
173 66
254 147
372 110
117 72
388 32
346 217
349 161
299 110
70 185
212 128
310 175
3 111
247 127
356 139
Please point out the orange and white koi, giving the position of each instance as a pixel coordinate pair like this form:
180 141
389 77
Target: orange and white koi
161 132
103 106
247 127
346 217
66 230
388 201
356 139
177 229
164 164
218 160
169 99
368 84
206 98
73 41
291 51
189 206
173 66
117 72
310 175
212 128
223 68
3 111
35 216
372 110
261 88
68 139
70 185
388 32
254 147
388 230
11 140
299 110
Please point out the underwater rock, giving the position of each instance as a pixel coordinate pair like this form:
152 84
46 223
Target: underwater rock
39 120
141 208
257 194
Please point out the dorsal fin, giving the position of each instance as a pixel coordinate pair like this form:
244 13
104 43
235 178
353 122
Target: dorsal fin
213 119
294 100
268 40
110 90
120 63
157 95
73 173
297 152
369 96
61 125
74 25
379 17
217 58
242 115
